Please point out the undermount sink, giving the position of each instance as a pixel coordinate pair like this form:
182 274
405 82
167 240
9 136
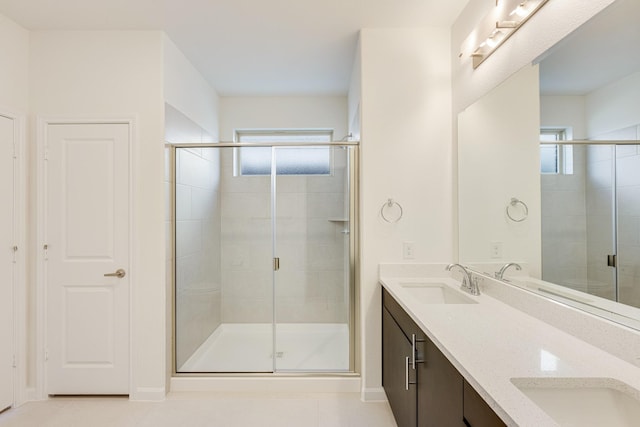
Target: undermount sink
584 401
436 293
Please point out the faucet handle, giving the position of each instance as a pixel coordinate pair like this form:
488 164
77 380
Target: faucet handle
474 287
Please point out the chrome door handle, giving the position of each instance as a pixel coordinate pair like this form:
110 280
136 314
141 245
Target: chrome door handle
120 273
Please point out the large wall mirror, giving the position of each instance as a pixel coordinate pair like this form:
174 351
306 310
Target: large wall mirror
549 171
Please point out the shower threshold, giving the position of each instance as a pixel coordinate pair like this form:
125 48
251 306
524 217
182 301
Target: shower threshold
246 348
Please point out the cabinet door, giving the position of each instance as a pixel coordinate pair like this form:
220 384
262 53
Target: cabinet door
396 353
439 389
477 413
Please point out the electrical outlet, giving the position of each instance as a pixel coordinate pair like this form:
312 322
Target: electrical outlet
496 250
408 250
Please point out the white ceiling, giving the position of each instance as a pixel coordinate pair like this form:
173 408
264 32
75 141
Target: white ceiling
600 52
248 47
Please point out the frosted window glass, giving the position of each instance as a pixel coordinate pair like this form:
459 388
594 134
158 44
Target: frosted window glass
255 161
289 160
568 159
549 158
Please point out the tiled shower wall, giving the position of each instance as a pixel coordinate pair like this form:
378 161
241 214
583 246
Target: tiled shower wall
311 285
564 225
578 230
198 252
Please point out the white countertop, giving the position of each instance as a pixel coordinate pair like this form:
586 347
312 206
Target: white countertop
491 342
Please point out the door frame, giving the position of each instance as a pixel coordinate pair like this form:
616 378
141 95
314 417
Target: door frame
20 239
42 124
181 380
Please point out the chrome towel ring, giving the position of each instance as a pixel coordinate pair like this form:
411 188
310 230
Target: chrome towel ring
514 205
388 206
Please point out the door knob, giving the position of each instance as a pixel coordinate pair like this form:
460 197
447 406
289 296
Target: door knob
120 273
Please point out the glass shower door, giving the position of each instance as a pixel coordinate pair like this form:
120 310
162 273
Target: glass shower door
628 218
600 191
263 258
578 217
311 243
223 254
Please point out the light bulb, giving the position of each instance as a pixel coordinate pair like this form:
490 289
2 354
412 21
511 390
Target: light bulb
521 10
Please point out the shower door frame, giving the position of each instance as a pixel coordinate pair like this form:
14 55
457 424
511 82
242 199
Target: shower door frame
614 195
353 256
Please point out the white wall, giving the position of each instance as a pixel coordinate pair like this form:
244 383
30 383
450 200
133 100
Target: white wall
614 106
499 158
188 92
114 74
293 112
564 112
14 72
406 155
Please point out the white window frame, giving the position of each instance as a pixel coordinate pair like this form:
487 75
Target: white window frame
288 135
564 157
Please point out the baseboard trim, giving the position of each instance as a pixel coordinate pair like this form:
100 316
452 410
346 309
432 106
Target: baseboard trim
148 394
32 395
375 394
267 384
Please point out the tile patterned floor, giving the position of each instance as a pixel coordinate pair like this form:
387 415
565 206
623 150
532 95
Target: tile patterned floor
205 410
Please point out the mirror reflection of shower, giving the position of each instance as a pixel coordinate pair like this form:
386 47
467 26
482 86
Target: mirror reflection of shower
591 216
264 258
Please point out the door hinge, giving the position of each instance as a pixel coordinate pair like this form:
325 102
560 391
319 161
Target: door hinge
45 248
276 264
612 261
15 362
15 250
46 354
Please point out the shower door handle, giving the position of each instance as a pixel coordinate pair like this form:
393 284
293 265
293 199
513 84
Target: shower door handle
612 261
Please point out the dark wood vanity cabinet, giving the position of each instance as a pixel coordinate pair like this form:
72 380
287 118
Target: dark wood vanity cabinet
429 395
434 394
476 411
399 387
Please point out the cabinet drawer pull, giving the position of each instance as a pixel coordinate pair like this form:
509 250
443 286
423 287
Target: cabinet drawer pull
407 383
406 373
414 340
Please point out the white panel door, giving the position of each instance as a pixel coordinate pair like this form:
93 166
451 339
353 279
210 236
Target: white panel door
7 269
87 237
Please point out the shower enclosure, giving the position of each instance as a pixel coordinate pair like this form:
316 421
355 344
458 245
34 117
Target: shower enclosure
265 239
591 218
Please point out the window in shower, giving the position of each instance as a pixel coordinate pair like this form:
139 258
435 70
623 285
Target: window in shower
291 160
555 158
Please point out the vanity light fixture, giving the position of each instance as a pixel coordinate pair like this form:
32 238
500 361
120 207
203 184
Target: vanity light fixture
495 28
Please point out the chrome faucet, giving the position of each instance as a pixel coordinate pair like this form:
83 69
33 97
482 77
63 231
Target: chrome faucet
499 274
468 284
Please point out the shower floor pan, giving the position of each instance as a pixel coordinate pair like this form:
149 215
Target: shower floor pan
300 347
